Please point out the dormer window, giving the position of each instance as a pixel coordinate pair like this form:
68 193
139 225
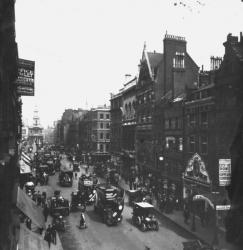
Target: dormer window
179 60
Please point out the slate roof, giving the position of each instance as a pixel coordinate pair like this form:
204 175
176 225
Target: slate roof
154 58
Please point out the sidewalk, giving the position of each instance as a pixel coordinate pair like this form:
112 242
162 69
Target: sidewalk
49 192
204 234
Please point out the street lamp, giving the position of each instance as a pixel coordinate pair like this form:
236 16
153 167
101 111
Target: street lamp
215 241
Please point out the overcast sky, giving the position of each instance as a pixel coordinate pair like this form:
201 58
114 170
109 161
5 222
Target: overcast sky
83 49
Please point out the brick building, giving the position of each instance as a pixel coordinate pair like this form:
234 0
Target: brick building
162 82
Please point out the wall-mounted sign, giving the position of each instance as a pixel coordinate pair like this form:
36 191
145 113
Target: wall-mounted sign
224 172
26 77
223 207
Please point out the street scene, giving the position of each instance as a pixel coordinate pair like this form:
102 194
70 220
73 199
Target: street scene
121 125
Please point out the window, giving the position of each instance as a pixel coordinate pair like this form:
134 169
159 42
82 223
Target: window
101 135
101 116
107 135
107 116
180 144
170 142
167 124
101 147
203 144
204 119
192 120
179 60
101 125
107 125
107 147
179 123
173 123
191 143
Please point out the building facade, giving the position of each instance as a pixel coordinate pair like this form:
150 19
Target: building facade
128 127
116 128
94 135
10 126
162 83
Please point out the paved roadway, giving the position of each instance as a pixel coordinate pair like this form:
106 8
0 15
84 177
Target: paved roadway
124 236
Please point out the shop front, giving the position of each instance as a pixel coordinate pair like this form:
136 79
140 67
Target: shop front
196 182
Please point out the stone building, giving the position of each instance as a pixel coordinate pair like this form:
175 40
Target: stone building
94 136
128 127
116 128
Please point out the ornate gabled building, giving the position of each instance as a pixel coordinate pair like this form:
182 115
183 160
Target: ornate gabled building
146 94
162 82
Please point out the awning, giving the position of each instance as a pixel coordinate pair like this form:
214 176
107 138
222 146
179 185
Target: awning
29 240
29 208
24 167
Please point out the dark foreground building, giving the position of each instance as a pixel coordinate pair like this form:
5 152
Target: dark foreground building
10 126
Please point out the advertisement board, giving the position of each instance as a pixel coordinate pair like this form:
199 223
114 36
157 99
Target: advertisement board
224 172
26 77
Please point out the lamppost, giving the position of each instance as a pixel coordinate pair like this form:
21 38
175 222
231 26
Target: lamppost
193 227
215 241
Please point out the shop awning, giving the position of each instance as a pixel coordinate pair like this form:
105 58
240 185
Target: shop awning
30 209
29 240
24 167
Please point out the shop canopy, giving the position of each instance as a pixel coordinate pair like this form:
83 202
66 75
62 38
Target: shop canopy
30 209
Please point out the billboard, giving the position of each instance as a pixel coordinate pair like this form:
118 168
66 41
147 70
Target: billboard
224 172
26 77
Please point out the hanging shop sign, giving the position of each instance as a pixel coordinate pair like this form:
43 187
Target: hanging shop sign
26 77
224 172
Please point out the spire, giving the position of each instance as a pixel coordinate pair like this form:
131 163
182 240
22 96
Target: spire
144 46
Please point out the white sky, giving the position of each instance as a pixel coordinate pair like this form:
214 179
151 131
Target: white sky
83 48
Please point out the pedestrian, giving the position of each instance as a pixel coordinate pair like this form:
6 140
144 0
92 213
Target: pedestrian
28 223
186 213
38 198
45 211
47 237
54 234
